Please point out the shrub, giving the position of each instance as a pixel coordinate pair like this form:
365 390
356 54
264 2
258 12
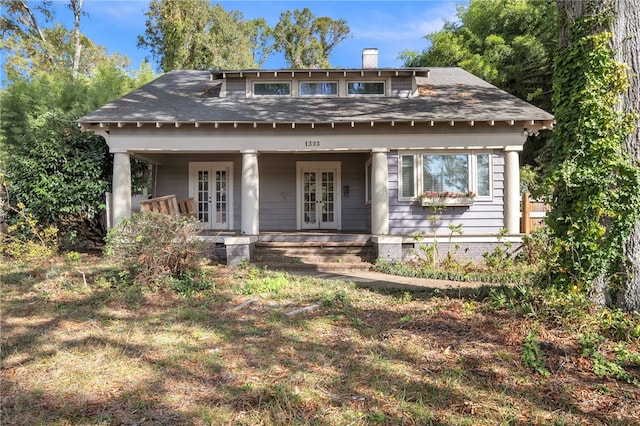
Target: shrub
156 249
26 238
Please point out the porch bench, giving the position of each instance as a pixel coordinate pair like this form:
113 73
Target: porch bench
169 205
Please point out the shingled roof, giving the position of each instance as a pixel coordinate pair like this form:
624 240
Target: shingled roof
446 95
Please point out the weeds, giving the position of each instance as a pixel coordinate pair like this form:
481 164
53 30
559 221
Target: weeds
499 265
25 238
532 355
114 353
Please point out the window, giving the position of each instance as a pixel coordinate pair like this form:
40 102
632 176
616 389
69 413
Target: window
272 89
318 88
442 173
483 175
365 88
456 172
407 176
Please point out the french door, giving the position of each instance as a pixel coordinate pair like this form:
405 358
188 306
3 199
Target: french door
211 186
318 186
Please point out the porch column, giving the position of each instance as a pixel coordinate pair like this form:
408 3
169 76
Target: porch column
512 190
379 192
249 224
121 198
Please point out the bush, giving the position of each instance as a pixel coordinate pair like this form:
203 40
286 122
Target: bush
25 238
156 249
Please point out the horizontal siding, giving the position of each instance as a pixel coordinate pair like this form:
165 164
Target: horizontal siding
236 88
173 176
277 193
482 218
278 190
401 87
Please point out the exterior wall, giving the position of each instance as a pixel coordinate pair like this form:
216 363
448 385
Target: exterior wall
236 88
482 218
172 176
278 190
467 250
401 87
277 186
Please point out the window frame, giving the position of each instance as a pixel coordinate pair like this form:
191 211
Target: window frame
301 82
383 82
287 82
472 170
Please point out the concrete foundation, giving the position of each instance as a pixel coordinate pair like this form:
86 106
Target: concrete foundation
239 250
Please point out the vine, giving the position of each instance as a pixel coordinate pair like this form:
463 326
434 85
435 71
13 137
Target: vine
593 182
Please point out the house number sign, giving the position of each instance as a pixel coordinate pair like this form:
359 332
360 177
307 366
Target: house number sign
312 144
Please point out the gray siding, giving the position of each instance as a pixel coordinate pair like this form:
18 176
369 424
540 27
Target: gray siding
278 190
482 218
173 176
236 88
401 87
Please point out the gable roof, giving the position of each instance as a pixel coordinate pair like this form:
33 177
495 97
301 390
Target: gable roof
447 95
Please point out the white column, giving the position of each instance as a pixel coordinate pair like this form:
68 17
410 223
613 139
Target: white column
249 225
121 197
379 193
512 191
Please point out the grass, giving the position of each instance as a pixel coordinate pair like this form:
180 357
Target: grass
80 347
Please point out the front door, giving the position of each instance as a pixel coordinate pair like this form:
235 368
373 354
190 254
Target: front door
318 195
211 186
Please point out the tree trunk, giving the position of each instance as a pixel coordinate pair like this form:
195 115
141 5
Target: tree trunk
76 8
626 46
626 39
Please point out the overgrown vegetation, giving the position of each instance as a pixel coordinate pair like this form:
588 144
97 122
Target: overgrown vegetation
500 265
156 249
82 345
25 239
589 177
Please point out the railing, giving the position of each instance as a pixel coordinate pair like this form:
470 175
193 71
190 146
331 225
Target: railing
169 205
533 214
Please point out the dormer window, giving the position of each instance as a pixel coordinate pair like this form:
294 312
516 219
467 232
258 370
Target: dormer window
365 88
272 89
323 88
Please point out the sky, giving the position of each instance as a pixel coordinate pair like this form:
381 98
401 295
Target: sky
390 26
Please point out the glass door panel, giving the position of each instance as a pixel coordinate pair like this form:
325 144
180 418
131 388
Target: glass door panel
210 186
319 199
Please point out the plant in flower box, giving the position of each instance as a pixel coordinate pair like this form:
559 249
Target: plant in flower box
446 198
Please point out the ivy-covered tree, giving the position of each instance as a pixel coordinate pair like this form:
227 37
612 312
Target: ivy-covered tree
306 40
193 34
593 169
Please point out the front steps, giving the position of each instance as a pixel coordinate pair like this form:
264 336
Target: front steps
318 252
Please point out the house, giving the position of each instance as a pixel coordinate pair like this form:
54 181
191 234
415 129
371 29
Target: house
342 150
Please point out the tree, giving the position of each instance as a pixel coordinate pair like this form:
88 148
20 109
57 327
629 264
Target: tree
192 34
33 46
594 168
58 172
54 76
307 41
508 43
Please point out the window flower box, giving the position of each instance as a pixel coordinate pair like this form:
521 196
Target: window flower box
429 198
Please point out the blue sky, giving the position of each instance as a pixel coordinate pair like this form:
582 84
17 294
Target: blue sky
391 26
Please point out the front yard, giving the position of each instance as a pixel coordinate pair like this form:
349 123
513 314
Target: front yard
82 346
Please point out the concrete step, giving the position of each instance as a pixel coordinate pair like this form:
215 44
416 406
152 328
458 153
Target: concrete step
315 266
314 252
